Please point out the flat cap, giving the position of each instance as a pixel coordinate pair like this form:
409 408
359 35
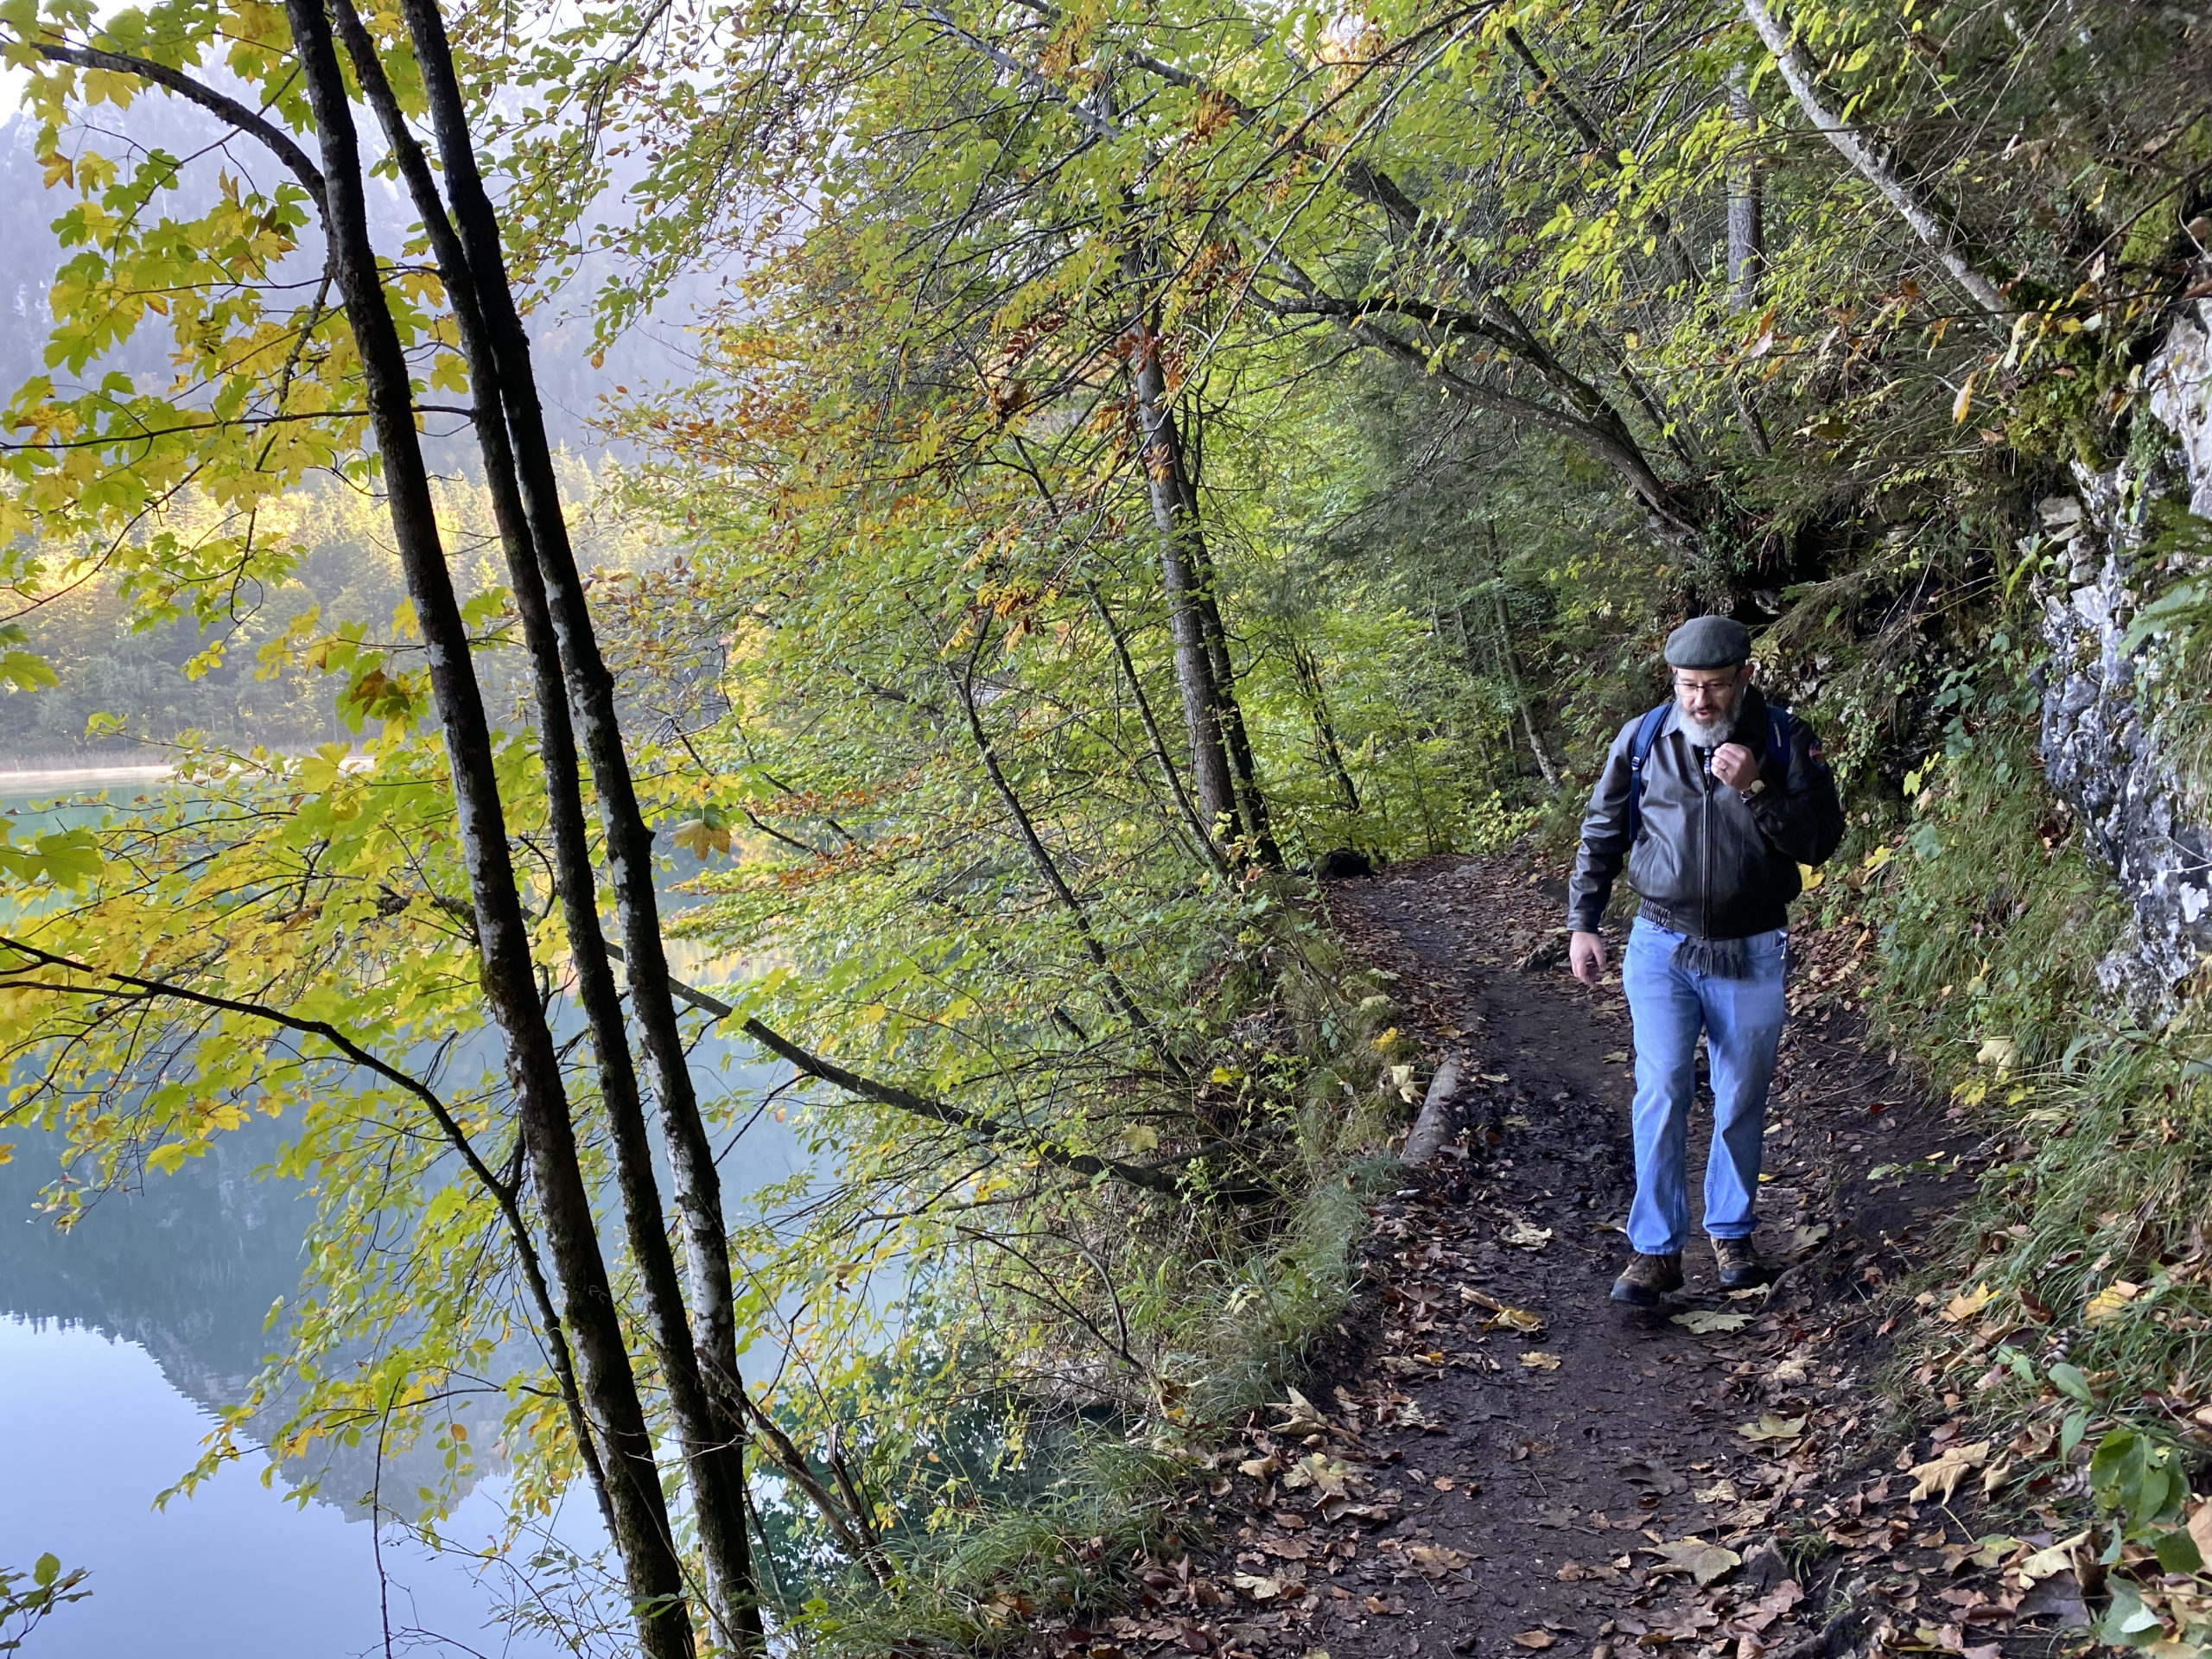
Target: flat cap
1709 642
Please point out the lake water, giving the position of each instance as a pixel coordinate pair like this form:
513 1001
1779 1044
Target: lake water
116 1341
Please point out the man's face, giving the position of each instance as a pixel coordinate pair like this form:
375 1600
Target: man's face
1708 696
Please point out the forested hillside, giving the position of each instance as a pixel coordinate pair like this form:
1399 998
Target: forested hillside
1136 452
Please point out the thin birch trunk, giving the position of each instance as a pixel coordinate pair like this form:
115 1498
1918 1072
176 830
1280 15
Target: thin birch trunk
1159 754
1324 730
1927 217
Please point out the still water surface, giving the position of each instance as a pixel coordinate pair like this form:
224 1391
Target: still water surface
118 1338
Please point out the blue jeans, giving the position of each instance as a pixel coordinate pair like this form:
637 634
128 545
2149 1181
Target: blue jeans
1742 1022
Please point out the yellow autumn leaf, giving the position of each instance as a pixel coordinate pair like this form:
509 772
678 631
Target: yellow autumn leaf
2108 1303
1967 1304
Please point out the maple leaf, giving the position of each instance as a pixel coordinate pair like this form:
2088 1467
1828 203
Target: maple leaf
1940 1477
1967 1304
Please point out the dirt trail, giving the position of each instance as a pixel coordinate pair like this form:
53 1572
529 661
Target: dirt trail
1561 1474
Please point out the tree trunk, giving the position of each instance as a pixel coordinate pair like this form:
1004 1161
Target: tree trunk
715 1468
1243 770
1928 219
1194 666
1164 761
1746 204
1511 662
642 1536
1325 731
591 691
1117 995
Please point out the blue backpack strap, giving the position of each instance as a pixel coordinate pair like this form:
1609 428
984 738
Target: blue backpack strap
1777 771
1639 751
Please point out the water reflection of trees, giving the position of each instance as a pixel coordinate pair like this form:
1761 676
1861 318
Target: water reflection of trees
188 1266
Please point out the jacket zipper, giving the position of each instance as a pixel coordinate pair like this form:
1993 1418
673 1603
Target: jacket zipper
1705 848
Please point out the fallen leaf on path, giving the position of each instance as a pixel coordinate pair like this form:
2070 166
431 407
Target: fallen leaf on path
1534 1641
1806 1237
1303 1420
1265 1587
1410 1415
1653 1477
1433 1561
1940 1477
1526 1236
1618 1057
1701 1321
1537 1360
1721 1491
1325 1475
1702 1561
1771 1427
1493 1077
1260 1468
1514 1318
1444 1482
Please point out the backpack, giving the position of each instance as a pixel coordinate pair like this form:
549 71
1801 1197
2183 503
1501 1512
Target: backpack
1777 764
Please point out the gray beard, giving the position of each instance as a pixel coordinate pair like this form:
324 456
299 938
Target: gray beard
1710 735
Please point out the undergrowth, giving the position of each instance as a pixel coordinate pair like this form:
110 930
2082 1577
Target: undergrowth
1228 1316
2073 1306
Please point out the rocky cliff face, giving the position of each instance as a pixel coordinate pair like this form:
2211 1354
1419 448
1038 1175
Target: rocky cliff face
2101 739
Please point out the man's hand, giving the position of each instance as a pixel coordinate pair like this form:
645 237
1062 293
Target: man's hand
1735 765
1586 954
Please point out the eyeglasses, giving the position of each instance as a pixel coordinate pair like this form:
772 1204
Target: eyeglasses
1726 682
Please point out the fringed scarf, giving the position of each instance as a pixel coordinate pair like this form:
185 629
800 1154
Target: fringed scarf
1715 958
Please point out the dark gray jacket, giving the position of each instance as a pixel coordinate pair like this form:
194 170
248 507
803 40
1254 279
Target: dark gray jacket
1707 861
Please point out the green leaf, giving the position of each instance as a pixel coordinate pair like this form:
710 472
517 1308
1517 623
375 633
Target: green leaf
2070 1381
2177 1551
2070 1431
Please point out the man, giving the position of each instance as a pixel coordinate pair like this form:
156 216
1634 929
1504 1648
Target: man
1715 801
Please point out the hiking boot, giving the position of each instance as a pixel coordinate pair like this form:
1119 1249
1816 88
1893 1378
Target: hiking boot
1648 1277
1739 1262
